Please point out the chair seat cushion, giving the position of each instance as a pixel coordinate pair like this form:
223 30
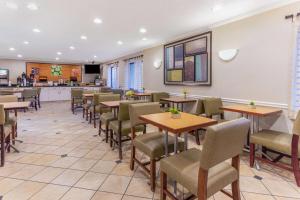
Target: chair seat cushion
7 131
152 144
126 127
184 168
275 140
107 117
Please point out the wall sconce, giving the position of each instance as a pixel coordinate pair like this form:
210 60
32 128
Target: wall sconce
157 64
228 54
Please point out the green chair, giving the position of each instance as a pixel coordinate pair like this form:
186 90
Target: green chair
151 144
121 128
105 118
105 89
76 98
212 107
280 144
156 97
198 110
5 131
86 104
39 90
206 172
31 96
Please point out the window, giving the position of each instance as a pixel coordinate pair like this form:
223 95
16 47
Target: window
135 74
112 76
295 107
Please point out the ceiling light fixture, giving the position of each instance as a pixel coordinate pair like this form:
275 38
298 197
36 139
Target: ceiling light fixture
98 21
217 7
59 53
32 6
26 42
95 56
57 58
19 56
144 39
36 30
143 30
12 5
72 47
120 42
12 49
83 37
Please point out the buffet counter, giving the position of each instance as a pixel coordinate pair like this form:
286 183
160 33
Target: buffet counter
55 93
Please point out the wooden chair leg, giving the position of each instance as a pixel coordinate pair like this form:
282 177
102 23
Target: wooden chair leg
106 133
197 137
120 146
252 154
100 124
83 112
8 143
163 185
152 174
2 150
87 114
132 157
94 119
90 118
295 159
111 138
13 134
236 190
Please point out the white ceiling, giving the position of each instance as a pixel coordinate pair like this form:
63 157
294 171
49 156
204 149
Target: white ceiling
62 22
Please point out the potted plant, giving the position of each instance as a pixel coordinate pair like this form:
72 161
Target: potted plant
185 92
252 104
175 114
129 94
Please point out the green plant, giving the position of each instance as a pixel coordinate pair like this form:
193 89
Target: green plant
173 111
129 93
252 103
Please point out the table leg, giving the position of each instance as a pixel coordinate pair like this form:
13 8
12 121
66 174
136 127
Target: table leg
185 141
166 143
176 144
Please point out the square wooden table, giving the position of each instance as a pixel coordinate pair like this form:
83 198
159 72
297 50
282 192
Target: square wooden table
185 124
178 101
141 95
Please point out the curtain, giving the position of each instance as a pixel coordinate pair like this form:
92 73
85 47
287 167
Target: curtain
113 76
134 74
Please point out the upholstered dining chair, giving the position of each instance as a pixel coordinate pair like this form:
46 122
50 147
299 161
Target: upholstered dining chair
212 107
151 144
106 117
206 172
281 144
76 98
198 109
86 104
156 96
30 95
12 120
121 128
5 131
39 90
105 89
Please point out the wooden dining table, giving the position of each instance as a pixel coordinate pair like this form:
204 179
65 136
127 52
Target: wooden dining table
142 95
178 101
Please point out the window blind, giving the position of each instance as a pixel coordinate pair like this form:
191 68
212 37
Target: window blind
113 76
296 74
134 78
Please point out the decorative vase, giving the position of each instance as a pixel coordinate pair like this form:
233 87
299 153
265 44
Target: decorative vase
176 116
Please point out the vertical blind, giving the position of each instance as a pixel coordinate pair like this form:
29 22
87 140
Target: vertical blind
296 74
135 74
113 76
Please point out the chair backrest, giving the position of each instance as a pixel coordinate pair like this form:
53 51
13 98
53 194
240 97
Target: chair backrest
39 90
212 106
89 92
124 110
296 126
223 141
136 110
156 96
2 115
109 97
105 89
29 93
8 98
118 91
199 107
76 93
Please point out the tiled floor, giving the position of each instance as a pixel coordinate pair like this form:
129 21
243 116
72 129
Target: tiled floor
89 171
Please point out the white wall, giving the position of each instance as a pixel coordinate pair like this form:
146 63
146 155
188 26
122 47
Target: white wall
15 68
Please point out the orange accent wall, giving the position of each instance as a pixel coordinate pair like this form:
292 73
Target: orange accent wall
45 70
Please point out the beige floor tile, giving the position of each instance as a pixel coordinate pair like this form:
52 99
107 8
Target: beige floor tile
13 156
30 158
115 184
79 152
139 187
7 184
62 150
104 166
221 196
24 191
47 175
245 170
285 198
253 196
250 184
68 177
111 156
83 164
46 160
95 154
123 169
10 168
78 194
126 197
91 181
107 196
281 188
27 172
50 192
65 162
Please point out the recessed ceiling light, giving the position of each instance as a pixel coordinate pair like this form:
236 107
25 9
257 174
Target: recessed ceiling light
32 6
144 39
57 58
12 49
26 42
36 30
143 30
72 47
20 56
83 37
95 56
120 42
12 5
217 7
98 21
59 53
